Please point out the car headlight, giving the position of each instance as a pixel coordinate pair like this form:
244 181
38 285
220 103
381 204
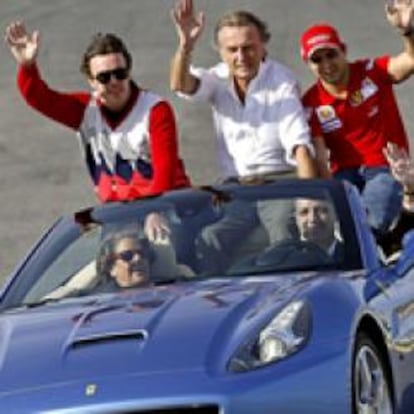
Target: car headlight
284 335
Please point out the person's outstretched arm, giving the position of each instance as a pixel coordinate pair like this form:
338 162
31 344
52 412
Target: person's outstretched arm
189 27
65 108
401 15
306 167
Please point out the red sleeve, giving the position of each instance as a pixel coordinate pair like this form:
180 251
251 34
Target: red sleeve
380 64
65 108
164 148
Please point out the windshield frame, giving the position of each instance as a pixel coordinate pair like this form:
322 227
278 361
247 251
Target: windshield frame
184 202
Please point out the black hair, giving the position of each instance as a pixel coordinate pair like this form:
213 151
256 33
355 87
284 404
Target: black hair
104 44
106 253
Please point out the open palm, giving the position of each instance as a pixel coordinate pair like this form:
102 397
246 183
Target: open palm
23 45
401 165
400 14
188 25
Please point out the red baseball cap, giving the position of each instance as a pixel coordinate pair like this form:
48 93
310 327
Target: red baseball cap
319 36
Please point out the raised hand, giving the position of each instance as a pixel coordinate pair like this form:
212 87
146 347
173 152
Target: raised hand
188 25
24 46
402 167
400 14
156 228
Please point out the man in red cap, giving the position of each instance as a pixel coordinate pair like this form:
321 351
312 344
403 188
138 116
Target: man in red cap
353 112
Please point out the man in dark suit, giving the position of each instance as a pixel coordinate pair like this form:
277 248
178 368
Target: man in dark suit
316 223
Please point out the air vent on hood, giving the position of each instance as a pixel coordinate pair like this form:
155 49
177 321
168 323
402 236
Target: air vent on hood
137 335
194 409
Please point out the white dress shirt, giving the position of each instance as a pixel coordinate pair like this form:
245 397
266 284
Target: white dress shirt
259 136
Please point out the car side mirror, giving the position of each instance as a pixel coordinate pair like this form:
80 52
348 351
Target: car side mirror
406 259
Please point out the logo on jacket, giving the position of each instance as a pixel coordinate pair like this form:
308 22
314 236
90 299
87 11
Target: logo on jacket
368 89
327 118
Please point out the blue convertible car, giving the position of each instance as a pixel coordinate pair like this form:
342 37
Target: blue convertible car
265 298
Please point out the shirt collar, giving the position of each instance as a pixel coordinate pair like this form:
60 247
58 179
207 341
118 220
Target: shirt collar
332 247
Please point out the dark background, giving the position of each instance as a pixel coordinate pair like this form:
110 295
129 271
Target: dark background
42 174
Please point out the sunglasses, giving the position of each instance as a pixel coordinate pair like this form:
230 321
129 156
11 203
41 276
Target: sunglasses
118 73
328 55
128 255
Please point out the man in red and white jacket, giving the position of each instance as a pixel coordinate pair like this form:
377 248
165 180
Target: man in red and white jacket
128 134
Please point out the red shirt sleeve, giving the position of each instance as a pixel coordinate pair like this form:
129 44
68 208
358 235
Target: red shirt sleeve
164 148
381 68
65 108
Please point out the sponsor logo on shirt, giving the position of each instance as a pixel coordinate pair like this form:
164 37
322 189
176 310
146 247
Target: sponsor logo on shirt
328 118
368 89
325 113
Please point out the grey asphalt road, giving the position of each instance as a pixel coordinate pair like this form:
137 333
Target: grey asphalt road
41 172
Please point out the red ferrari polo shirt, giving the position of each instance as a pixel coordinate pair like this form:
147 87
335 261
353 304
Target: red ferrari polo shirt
356 129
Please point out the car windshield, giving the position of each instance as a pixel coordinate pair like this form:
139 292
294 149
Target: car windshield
195 235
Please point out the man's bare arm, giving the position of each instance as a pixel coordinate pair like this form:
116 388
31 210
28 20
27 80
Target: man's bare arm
306 167
322 158
401 15
189 27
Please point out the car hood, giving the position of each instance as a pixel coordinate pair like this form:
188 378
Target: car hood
172 327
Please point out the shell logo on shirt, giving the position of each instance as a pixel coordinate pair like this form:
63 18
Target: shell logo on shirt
328 119
325 113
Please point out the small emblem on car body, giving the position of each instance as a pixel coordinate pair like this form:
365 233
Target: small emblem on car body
90 390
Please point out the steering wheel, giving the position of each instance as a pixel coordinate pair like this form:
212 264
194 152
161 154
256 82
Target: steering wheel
289 254
293 251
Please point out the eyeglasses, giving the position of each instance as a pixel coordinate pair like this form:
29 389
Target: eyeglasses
128 255
328 55
118 74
